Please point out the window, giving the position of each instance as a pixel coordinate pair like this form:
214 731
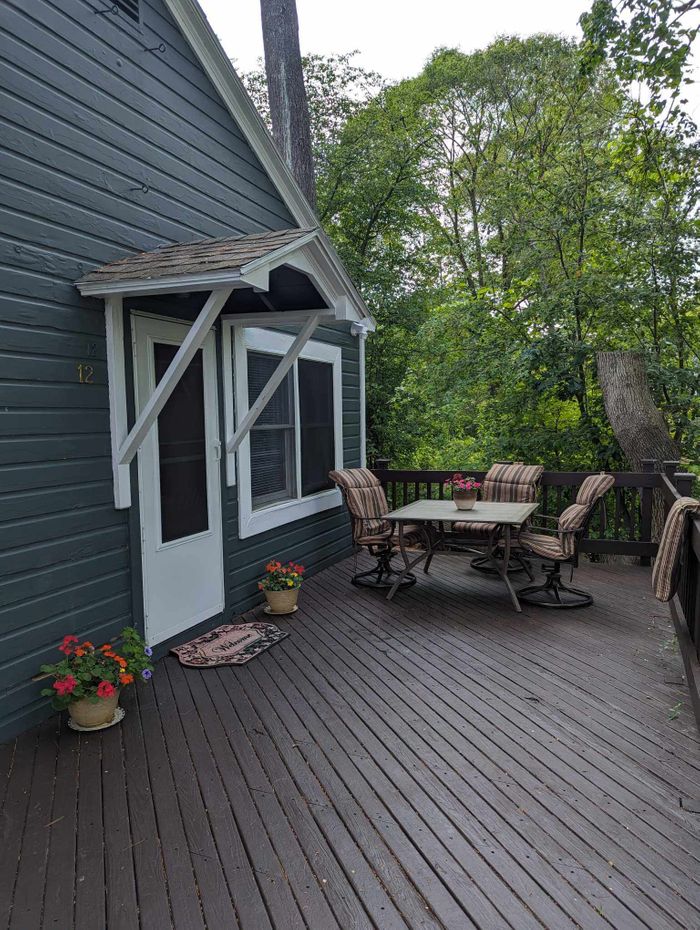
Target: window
317 427
284 461
272 440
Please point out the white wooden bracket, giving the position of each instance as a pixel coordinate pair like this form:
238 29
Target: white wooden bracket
276 379
167 384
116 383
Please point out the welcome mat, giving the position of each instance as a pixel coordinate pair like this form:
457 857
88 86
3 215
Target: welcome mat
231 644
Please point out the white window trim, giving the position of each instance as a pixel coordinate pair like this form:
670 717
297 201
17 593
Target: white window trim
237 341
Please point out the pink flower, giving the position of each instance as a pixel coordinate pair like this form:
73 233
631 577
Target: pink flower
66 646
65 685
105 689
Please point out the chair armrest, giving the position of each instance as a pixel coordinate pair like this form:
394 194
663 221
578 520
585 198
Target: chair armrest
547 516
543 529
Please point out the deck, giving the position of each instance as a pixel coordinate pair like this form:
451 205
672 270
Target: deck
437 763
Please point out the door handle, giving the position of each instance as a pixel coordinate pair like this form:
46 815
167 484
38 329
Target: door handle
217 450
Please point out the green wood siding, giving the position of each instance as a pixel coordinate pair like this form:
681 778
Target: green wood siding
106 149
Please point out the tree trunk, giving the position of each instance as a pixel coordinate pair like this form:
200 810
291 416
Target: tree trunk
289 110
637 422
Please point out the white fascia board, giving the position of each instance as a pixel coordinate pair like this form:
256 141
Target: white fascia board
195 27
279 254
173 285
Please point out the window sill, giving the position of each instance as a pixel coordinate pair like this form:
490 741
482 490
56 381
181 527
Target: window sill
268 518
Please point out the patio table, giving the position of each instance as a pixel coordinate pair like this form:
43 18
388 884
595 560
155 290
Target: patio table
431 515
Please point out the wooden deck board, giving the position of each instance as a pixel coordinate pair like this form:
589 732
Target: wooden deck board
434 763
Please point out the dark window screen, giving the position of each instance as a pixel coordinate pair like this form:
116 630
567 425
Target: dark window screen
317 430
182 450
272 471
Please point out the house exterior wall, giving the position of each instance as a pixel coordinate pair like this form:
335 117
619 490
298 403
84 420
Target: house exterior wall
106 148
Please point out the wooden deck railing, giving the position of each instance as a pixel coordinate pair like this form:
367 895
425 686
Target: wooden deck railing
623 527
687 601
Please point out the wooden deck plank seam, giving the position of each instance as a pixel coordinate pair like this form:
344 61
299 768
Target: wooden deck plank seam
264 695
524 669
515 862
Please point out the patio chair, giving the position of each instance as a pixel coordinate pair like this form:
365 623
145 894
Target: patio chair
367 505
505 482
667 565
560 545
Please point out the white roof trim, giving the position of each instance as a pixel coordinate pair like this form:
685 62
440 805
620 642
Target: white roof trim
195 27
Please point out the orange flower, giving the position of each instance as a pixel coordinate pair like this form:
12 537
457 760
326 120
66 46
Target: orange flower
105 647
122 662
80 652
126 679
88 645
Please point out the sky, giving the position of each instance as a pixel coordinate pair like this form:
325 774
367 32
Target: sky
395 37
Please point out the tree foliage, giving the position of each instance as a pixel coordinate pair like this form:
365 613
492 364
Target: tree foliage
506 214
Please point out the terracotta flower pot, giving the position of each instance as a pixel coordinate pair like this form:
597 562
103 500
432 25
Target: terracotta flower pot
86 714
282 602
464 500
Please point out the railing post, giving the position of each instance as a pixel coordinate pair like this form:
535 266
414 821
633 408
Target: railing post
684 483
669 469
647 509
381 463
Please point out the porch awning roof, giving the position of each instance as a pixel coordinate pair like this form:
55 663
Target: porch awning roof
202 264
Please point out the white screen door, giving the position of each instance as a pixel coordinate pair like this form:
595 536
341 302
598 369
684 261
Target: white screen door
179 485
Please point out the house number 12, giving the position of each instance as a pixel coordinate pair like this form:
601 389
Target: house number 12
85 373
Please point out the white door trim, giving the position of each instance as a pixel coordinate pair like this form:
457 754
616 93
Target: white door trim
166 564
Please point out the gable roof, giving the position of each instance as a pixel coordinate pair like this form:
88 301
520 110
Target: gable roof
230 253
196 29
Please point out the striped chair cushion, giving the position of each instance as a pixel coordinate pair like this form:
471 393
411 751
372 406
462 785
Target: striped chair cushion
593 488
571 519
368 505
354 478
547 547
515 483
666 573
475 530
411 536
512 484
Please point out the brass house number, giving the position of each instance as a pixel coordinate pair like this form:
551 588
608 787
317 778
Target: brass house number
86 373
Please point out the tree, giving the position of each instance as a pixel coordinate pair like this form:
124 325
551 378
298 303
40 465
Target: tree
639 425
289 112
646 40
507 215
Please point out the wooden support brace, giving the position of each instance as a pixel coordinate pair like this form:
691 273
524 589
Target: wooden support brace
275 380
167 384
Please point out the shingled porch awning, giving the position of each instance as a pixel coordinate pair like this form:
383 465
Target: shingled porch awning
282 276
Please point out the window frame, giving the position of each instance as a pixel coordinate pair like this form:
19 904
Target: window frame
238 340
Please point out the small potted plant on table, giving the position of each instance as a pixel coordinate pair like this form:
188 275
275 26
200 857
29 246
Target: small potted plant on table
464 490
88 679
281 586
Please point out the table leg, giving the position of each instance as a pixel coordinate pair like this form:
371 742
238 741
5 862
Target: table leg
503 569
408 565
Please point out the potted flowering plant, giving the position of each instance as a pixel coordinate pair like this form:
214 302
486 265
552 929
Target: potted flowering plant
281 586
464 490
88 679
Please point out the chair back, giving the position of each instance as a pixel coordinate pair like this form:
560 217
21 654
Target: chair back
574 520
366 501
667 565
512 483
